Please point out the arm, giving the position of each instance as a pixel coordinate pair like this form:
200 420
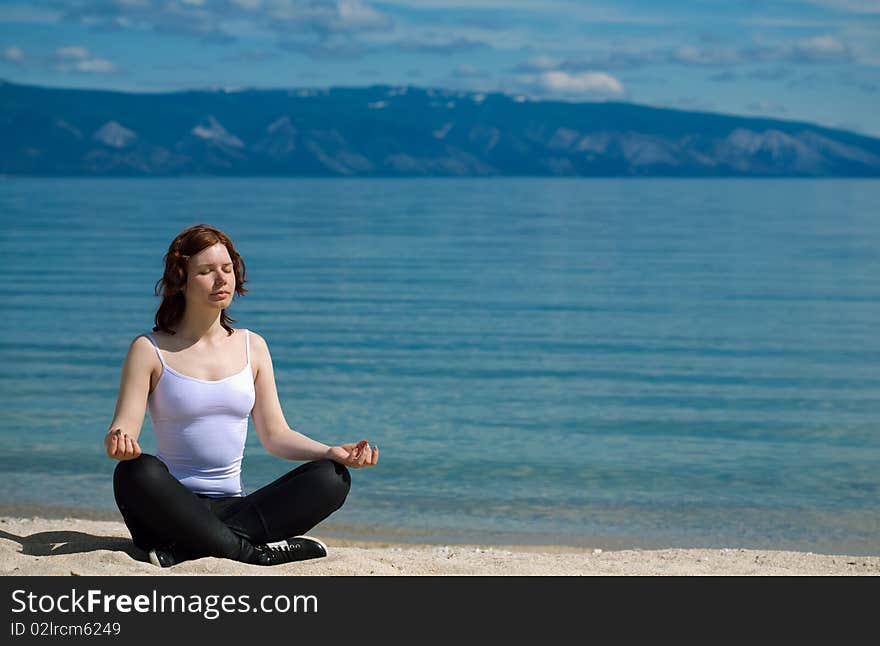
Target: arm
277 437
120 442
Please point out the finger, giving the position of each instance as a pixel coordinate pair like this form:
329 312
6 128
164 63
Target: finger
114 445
366 454
118 443
375 457
129 447
137 448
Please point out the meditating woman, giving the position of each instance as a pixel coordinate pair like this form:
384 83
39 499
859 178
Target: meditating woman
187 501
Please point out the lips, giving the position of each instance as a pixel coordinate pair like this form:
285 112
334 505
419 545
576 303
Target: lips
220 294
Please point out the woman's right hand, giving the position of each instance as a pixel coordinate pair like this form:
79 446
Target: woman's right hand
120 446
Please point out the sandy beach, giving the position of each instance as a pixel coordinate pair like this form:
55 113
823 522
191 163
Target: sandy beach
78 547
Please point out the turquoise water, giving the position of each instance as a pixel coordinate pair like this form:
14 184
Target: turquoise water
611 363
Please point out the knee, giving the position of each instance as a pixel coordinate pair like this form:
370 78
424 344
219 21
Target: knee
334 480
141 472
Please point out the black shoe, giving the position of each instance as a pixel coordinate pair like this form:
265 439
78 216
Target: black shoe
162 558
298 548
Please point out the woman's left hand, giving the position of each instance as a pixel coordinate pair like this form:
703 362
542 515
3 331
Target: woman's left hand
355 455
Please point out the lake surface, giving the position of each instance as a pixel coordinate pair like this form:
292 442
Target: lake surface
598 362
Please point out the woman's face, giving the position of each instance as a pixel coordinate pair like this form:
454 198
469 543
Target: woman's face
209 272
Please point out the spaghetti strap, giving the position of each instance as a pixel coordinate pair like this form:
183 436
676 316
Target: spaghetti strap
156 345
247 340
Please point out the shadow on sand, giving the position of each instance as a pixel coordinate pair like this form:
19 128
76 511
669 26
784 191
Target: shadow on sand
69 542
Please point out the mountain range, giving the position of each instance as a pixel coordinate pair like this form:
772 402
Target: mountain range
386 131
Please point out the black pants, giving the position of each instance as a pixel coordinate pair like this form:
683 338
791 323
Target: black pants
161 513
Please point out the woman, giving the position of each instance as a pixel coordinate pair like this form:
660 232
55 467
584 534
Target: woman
187 502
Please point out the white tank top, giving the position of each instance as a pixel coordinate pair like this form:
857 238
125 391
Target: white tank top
201 426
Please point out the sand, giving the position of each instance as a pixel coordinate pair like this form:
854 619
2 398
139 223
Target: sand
78 547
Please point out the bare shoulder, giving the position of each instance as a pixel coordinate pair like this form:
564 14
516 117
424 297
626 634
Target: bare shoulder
141 361
141 344
161 339
259 351
257 341
142 352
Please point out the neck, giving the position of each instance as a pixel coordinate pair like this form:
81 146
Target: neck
195 326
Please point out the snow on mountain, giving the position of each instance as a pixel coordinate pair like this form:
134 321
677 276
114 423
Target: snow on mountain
216 132
114 135
441 132
61 124
382 131
281 138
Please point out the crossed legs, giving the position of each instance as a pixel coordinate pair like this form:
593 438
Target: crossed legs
160 512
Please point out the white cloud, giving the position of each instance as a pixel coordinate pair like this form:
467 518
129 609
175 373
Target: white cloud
13 54
539 64
820 45
766 107
78 53
357 15
302 21
824 49
99 65
468 71
570 10
470 4
327 17
25 14
560 82
690 55
77 59
850 6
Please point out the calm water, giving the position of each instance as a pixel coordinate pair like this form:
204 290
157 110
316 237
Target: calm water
609 363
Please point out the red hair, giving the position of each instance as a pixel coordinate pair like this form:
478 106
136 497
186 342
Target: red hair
187 244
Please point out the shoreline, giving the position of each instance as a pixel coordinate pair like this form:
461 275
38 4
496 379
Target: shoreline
354 534
87 547
375 535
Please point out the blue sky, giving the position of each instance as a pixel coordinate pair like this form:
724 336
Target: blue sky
805 60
